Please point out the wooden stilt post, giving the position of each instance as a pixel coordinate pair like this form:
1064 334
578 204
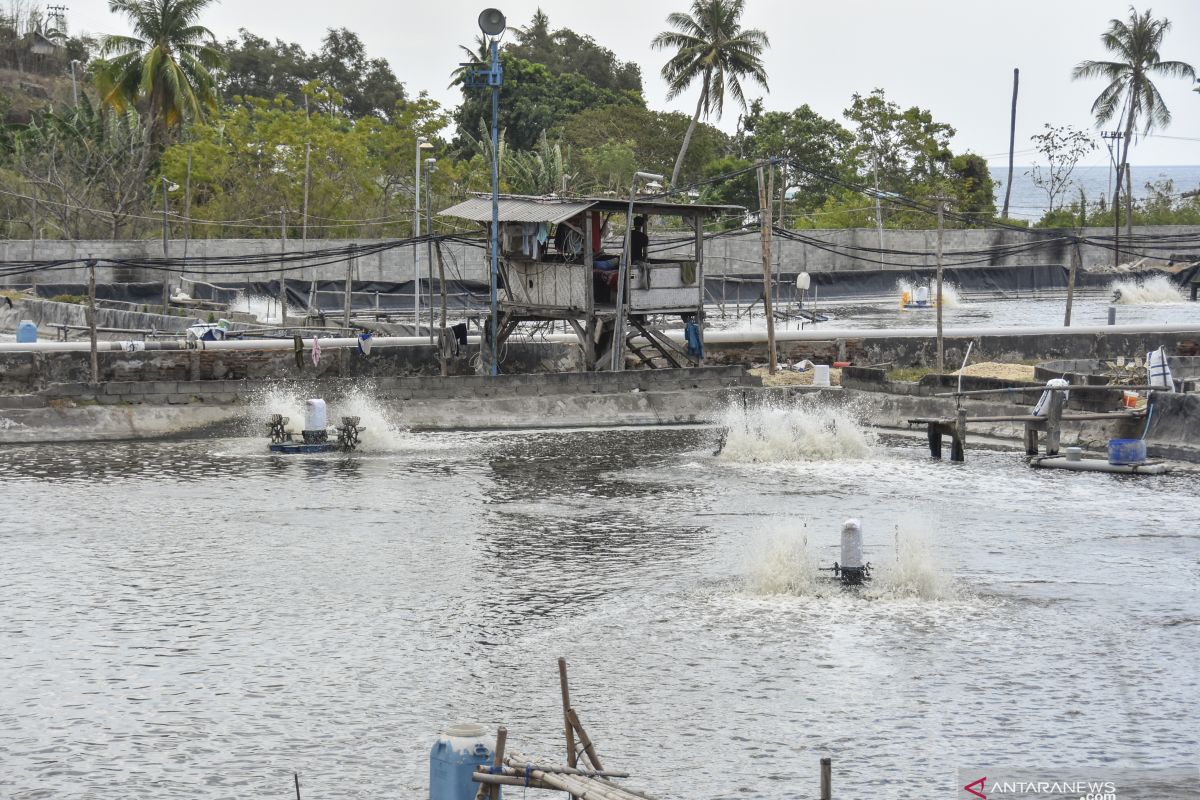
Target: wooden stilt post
91 317
958 445
498 759
935 440
1054 423
826 779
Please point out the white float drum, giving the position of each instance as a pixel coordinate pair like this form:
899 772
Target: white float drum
314 415
922 295
852 546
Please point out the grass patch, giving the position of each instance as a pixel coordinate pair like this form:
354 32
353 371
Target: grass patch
77 299
909 374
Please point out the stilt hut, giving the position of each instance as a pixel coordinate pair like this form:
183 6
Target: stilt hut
553 265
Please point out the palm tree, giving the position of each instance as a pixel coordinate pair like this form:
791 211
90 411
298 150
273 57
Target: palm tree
711 45
481 56
165 67
1130 90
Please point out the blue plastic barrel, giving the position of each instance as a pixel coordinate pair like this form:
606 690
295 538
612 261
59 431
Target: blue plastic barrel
453 759
1126 451
26 331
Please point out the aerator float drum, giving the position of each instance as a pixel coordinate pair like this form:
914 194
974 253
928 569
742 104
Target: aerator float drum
315 436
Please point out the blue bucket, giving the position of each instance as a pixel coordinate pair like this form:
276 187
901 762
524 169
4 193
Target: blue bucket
1126 451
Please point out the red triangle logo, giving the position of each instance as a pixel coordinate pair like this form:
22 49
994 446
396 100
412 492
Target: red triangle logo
979 784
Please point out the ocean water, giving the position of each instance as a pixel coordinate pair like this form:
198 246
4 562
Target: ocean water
1029 202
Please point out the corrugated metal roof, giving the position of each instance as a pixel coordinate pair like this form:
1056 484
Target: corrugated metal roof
526 209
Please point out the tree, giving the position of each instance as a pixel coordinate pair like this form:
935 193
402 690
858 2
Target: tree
534 100
813 146
563 50
166 66
255 67
712 47
651 136
89 166
1062 146
1135 42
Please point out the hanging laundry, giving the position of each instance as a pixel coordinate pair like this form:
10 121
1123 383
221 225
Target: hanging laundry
1159 370
695 344
364 344
316 352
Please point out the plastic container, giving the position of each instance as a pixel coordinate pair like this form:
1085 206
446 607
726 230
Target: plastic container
821 375
1130 399
1074 454
26 331
1126 451
314 415
453 759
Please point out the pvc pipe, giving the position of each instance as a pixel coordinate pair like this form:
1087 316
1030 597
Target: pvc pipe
710 337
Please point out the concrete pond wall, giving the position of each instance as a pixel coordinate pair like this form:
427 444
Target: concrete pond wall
735 254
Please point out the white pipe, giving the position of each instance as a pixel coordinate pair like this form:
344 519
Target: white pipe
710 337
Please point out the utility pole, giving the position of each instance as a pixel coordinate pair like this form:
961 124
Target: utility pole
878 209
1113 140
347 298
312 289
941 219
187 205
1128 204
442 337
1012 138
1076 256
765 193
429 165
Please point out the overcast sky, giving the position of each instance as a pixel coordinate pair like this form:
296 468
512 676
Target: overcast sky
953 57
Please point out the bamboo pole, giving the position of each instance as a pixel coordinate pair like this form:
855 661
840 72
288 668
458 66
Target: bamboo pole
584 740
1082 388
566 706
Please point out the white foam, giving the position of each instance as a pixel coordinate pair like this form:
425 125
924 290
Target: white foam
806 431
1155 290
912 572
950 295
783 566
384 430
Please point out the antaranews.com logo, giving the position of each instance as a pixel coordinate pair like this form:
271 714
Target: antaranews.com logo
1082 784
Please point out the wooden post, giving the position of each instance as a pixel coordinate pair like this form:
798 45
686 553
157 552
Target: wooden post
566 703
935 440
698 225
826 779
282 274
1128 203
1054 423
1075 258
95 372
958 444
347 300
764 220
498 759
166 295
941 235
1031 440
442 361
187 206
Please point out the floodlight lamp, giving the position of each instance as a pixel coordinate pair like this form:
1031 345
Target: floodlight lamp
492 22
424 145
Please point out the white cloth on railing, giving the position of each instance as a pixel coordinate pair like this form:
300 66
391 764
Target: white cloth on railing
1159 369
1043 403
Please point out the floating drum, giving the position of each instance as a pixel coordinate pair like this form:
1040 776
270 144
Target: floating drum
821 375
314 415
26 331
1126 451
453 760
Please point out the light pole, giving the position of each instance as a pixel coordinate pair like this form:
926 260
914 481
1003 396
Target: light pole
430 165
618 356
167 186
493 25
422 144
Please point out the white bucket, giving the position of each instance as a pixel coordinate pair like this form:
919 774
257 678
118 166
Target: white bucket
314 415
852 548
821 375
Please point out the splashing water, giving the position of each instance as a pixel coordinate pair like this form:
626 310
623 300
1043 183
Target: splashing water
784 566
950 296
1155 290
805 432
914 573
383 431
265 309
